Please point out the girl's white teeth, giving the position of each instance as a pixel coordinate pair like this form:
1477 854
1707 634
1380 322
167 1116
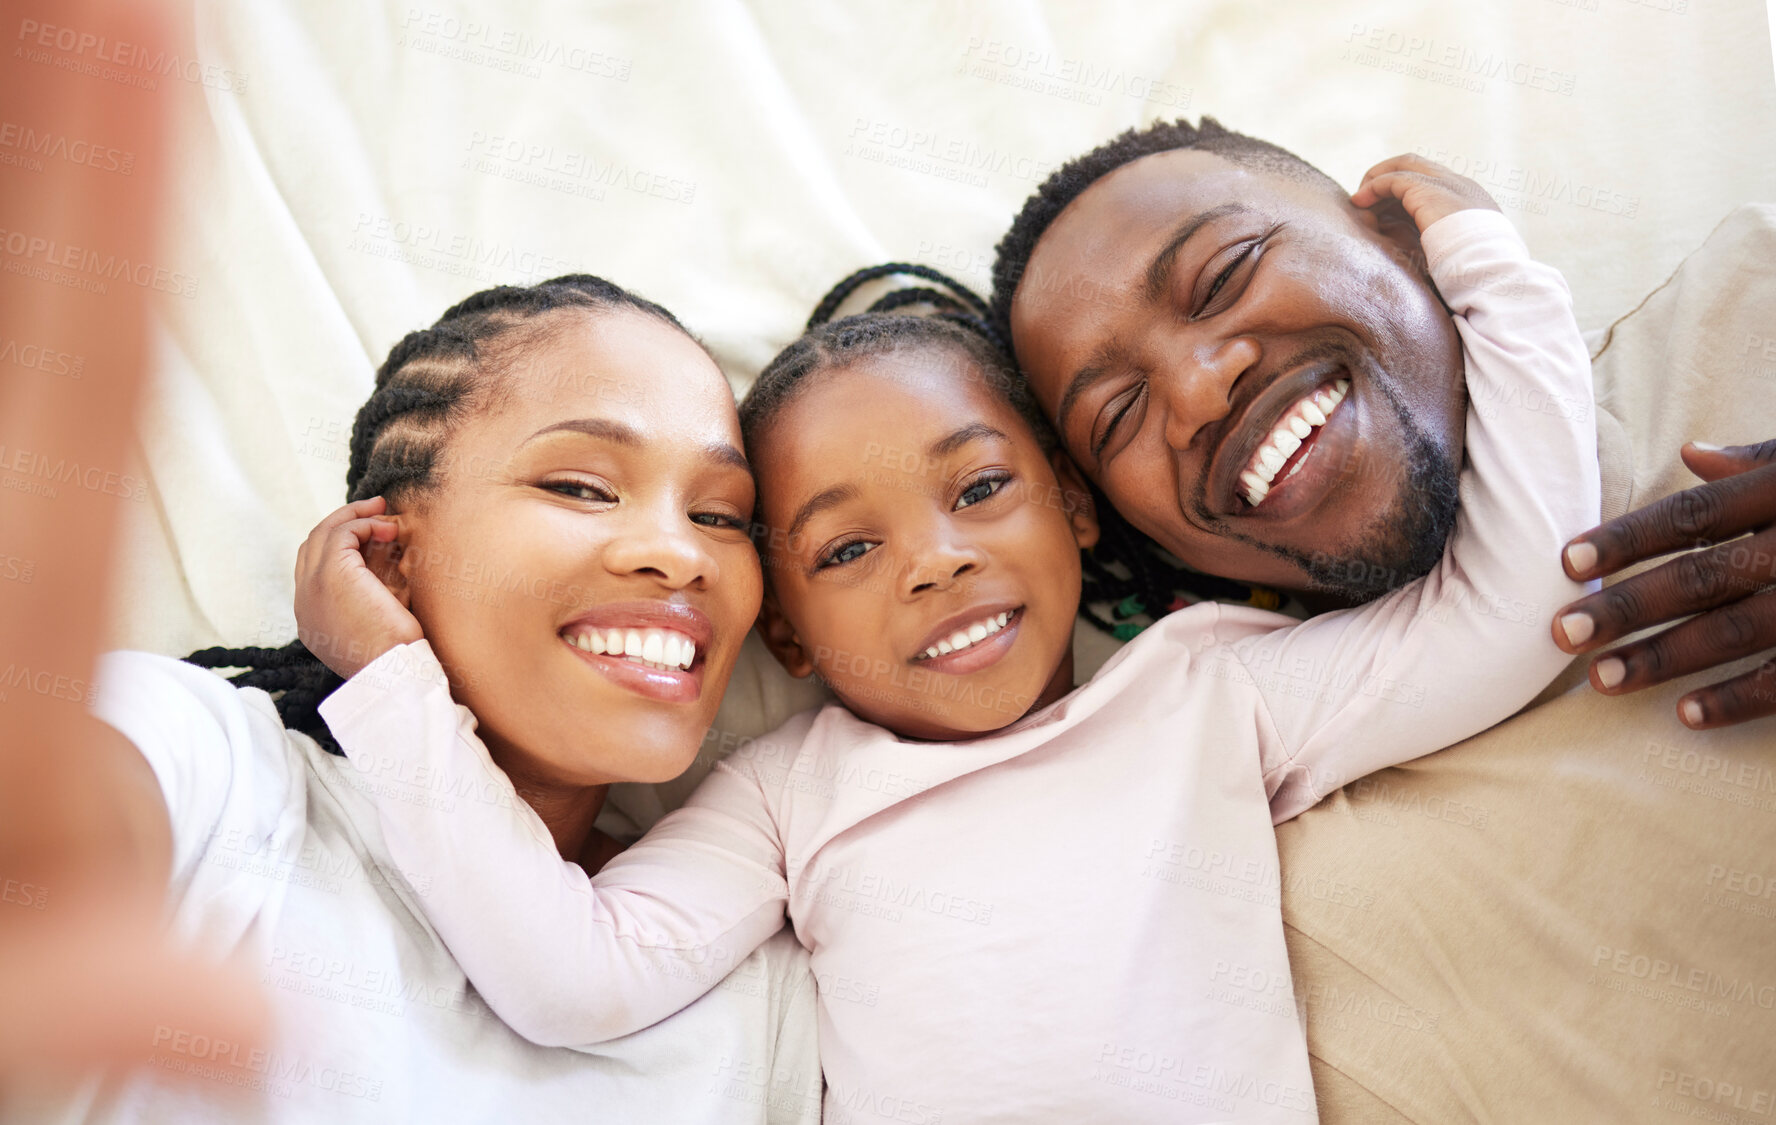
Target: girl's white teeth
974 634
1291 430
662 649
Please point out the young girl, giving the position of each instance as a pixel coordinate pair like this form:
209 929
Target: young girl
558 454
1024 902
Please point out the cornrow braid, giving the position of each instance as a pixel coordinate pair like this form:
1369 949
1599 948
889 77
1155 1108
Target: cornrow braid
431 380
957 321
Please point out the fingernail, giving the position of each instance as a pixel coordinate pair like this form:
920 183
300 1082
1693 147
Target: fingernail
1690 712
1578 628
1708 446
1581 557
1611 671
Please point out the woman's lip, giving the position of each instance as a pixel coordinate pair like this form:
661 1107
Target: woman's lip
981 654
647 613
668 687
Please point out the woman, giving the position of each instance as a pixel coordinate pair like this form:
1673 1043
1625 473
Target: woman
549 456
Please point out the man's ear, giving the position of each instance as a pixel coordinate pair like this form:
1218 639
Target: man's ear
395 561
780 637
1390 220
1076 499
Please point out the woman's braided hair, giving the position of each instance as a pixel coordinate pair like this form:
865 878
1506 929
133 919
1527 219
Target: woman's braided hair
1126 571
430 381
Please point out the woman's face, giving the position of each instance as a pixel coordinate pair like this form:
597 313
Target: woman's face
598 496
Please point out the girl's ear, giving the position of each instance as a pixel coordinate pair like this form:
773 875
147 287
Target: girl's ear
395 561
1077 498
780 637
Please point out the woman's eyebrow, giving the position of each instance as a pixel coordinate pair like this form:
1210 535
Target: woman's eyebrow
624 434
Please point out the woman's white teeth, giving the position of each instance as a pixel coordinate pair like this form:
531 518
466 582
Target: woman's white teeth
662 649
1291 430
974 634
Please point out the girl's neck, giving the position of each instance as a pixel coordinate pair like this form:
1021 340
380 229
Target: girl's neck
568 812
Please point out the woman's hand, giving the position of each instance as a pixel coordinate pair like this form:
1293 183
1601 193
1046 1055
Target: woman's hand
345 614
1728 587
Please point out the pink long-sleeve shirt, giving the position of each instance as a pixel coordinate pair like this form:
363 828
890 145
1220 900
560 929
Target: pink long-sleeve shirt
1074 918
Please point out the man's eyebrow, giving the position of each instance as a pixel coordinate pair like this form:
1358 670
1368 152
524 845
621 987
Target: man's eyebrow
1159 271
623 434
820 502
1106 359
974 431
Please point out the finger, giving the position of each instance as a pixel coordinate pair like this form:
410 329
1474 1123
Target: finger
1708 640
1387 185
1712 462
1695 517
1691 583
1406 161
351 538
354 510
1738 700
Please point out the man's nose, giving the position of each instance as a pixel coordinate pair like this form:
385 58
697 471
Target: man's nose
1196 387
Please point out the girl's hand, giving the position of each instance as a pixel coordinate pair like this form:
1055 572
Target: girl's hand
344 613
1424 189
1730 588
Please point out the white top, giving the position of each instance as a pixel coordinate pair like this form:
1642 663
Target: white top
978 961
278 859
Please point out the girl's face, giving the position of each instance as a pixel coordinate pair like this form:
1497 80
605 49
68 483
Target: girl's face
924 553
599 501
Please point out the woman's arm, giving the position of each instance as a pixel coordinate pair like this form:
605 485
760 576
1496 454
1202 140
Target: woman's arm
565 960
85 837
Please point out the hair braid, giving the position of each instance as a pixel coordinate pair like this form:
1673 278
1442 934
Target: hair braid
431 379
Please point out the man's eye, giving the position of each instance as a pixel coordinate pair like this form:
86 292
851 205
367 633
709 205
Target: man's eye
980 490
1128 401
1221 280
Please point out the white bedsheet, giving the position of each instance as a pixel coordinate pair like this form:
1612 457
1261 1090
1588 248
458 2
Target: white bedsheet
363 166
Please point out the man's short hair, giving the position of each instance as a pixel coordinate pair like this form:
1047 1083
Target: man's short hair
1064 185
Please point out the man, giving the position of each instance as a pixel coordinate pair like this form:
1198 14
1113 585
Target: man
1567 917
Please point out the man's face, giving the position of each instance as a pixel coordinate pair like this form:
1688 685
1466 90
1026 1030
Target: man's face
1186 318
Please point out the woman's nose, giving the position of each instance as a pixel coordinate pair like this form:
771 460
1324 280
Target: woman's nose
665 547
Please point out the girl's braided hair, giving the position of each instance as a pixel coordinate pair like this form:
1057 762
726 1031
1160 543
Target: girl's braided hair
430 381
1125 571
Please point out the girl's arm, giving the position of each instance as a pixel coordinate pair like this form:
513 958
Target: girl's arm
1447 656
564 959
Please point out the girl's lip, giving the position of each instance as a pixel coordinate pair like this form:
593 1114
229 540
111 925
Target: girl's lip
982 654
653 683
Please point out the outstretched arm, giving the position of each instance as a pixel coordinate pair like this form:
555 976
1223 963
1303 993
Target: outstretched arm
564 959
1452 653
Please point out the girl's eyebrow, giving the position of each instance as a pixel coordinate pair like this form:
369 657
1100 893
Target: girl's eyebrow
974 431
624 434
820 502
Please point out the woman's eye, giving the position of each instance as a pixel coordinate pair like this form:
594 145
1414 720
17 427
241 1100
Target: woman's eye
980 490
849 552
721 519
580 491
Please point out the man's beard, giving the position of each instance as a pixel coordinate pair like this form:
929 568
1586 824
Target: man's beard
1401 543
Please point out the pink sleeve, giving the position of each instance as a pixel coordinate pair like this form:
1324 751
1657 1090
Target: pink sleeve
1447 656
563 959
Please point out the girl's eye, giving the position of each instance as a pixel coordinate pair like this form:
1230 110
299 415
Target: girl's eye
980 490
848 552
581 491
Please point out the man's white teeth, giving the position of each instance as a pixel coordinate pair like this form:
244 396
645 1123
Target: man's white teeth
661 649
974 634
1291 430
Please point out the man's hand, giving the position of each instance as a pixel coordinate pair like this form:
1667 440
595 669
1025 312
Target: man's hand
1424 189
344 613
1730 587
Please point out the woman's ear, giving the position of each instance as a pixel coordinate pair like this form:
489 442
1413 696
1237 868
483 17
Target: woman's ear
395 561
1076 499
780 637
